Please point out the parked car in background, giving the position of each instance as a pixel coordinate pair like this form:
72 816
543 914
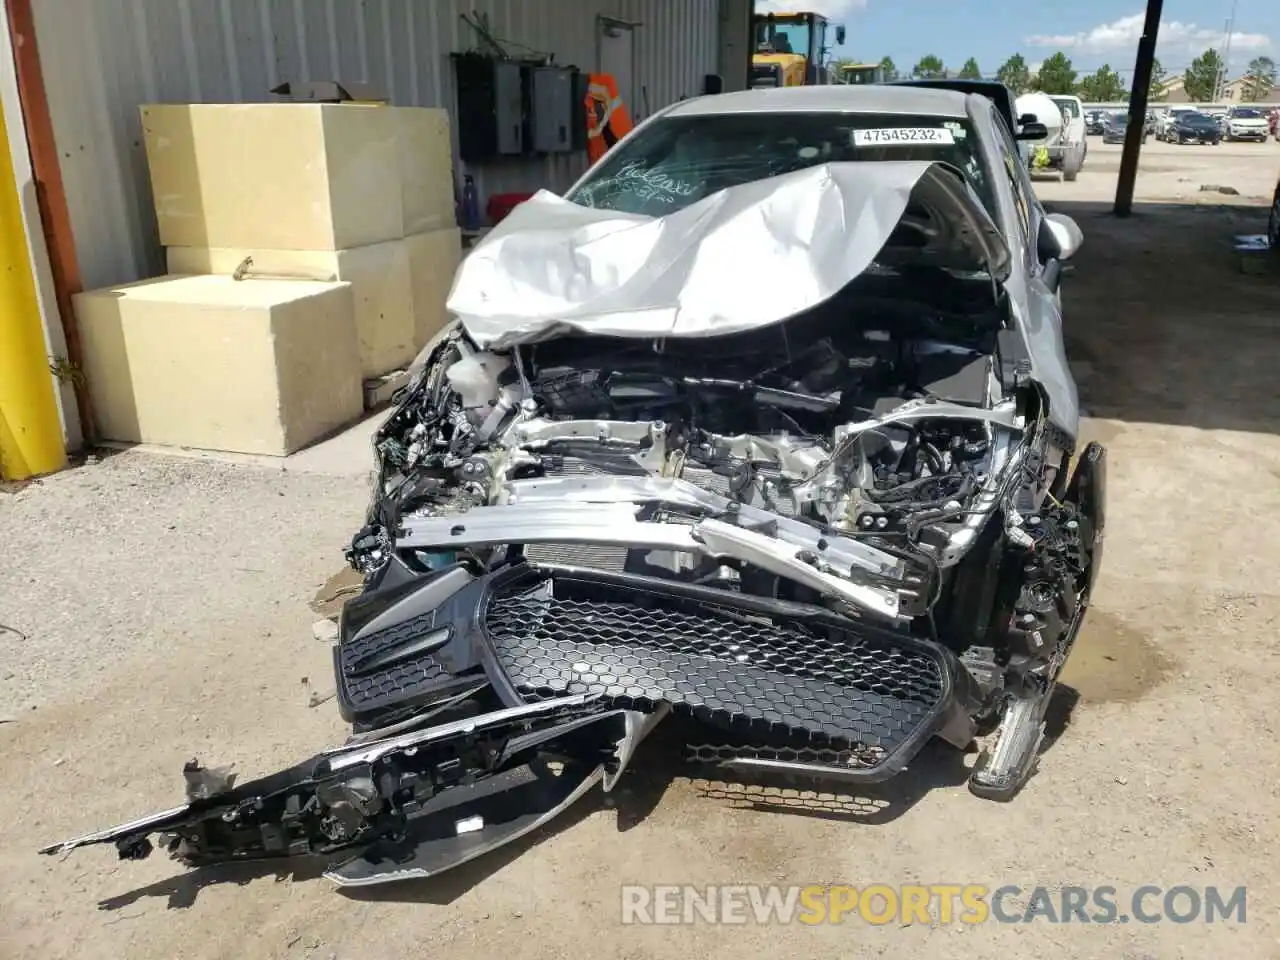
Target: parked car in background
1117 125
1094 122
1219 115
1245 123
1193 127
1166 120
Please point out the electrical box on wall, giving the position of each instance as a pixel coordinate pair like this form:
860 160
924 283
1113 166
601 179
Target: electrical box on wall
491 111
551 109
581 86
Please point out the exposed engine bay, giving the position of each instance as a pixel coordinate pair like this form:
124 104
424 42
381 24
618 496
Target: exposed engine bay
878 432
819 542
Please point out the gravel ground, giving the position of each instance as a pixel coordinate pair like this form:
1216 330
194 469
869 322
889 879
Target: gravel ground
159 608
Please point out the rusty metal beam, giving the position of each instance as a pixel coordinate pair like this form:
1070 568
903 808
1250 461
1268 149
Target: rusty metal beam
1138 109
54 214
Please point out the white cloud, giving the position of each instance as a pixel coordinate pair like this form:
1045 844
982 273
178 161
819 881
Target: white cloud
1122 36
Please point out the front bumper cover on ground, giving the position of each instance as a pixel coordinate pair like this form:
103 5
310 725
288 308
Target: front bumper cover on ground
542 683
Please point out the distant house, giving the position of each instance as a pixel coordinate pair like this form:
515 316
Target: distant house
1237 91
1172 91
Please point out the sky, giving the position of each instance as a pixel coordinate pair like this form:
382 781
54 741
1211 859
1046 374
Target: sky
1090 32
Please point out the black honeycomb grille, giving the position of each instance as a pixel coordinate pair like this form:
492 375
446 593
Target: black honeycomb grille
734 669
366 689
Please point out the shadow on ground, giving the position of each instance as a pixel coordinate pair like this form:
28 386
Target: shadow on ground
1164 325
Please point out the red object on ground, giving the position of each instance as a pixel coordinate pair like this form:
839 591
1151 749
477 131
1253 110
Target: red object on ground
501 204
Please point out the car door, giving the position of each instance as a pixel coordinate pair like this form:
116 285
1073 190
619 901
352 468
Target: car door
1042 324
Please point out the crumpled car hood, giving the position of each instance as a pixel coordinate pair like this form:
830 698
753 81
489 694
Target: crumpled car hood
742 258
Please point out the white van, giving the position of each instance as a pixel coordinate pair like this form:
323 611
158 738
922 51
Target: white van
1075 137
1065 145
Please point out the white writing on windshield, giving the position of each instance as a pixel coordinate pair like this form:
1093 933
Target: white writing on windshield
652 184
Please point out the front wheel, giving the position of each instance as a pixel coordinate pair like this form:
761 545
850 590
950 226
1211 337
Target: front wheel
1273 224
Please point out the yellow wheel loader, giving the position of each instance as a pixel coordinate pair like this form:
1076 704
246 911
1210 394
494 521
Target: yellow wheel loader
792 49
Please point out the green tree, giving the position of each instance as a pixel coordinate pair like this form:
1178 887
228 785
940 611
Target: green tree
1261 77
1158 79
890 68
970 70
928 67
1056 75
1102 86
1201 78
1015 75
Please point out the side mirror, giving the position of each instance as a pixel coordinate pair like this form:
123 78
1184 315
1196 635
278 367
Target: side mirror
1060 237
1028 118
1033 130
840 35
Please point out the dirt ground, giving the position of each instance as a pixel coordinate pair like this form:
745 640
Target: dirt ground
156 609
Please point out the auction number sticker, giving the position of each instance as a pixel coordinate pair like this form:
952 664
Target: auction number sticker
903 135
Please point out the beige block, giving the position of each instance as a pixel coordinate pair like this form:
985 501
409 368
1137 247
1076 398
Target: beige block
255 366
426 168
280 176
433 260
379 278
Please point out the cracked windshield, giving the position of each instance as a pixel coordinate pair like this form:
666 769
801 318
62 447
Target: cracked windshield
679 160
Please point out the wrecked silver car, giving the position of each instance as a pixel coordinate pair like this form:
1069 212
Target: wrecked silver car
744 430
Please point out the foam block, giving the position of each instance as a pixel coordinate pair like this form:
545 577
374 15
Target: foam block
433 260
379 275
426 168
281 176
252 366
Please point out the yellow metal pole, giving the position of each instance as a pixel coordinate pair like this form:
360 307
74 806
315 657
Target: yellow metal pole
31 441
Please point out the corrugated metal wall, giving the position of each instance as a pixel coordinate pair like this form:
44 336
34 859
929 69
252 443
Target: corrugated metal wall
103 58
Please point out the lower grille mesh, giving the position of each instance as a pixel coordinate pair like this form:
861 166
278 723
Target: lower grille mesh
736 670
377 689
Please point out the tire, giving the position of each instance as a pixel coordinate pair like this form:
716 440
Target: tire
1273 224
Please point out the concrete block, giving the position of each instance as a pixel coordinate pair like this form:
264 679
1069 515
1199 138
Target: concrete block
426 168
252 366
280 176
379 275
433 260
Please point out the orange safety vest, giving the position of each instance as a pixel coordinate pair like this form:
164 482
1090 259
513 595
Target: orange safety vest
607 120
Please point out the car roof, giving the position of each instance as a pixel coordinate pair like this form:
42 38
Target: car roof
836 98
962 84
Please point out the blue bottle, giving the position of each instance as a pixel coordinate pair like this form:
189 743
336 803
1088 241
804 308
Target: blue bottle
470 204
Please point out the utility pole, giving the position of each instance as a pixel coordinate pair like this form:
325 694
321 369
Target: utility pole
1221 86
1138 109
